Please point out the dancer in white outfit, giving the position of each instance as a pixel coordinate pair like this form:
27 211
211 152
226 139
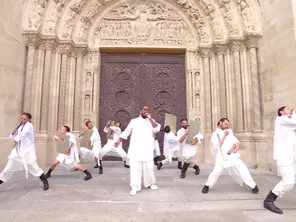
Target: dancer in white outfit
69 159
109 147
171 147
95 142
284 152
140 151
188 151
23 156
226 147
156 149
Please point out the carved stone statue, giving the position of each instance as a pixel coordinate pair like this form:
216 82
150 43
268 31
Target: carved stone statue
247 15
38 10
67 29
85 24
94 7
148 22
87 104
88 82
53 18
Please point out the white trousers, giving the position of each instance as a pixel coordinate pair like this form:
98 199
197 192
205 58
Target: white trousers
240 167
171 155
156 148
288 179
87 153
139 168
109 147
14 165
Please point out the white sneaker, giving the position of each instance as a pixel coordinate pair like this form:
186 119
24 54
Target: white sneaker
133 192
153 187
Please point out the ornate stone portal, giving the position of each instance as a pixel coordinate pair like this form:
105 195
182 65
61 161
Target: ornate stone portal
219 38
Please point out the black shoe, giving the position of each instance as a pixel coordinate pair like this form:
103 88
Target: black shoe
100 170
45 182
269 205
197 170
179 165
159 166
255 190
47 175
125 165
205 189
88 175
96 166
1 182
184 169
155 160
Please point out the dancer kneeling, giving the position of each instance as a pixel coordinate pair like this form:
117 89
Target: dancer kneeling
225 146
70 158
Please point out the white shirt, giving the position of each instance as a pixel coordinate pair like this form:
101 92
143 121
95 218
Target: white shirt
73 151
116 132
95 137
24 138
181 132
284 151
228 143
141 142
170 142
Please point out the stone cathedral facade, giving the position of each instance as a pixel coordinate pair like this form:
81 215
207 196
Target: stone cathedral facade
101 59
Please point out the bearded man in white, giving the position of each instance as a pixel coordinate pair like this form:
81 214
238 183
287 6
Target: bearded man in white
95 142
23 155
109 147
188 151
140 152
69 159
170 146
226 148
284 152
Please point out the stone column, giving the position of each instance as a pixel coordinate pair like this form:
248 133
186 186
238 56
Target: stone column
80 52
252 44
215 87
64 50
48 46
221 51
230 87
70 89
207 54
247 88
238 122
31 42
96 65
37 92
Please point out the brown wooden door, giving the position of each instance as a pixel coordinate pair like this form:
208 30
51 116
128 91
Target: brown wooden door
129 81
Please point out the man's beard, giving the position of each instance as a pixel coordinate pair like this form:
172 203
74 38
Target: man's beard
185 127
144 116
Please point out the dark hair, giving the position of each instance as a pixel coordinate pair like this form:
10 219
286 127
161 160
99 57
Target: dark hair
28 115
119 123
280 110
184 119
142 107
222 120
167 129
67 128
87 122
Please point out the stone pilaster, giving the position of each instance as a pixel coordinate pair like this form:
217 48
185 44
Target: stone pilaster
206 55
31 41
65 50
37 92
252 44
221 50
238 122
48 46
80 53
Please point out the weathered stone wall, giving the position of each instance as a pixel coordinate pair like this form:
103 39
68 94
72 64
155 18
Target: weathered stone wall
12 67
276 62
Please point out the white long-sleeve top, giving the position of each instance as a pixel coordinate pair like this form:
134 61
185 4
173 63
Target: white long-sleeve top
116 132
141 141
284 150
24 138
95 138
74 150
229 141
181 133
170 142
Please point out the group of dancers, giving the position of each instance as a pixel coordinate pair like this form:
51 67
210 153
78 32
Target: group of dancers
144 151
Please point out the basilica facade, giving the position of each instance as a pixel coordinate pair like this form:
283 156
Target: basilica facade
103 59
